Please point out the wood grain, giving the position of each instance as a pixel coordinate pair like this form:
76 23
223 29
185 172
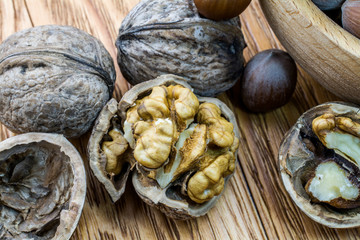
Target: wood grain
254 205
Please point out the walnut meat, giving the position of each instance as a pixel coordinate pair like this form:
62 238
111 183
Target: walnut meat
183 147
42 187
320 164
170 37
53 79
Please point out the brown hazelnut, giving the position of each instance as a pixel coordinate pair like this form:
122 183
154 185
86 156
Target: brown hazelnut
269 80
351 16
221 9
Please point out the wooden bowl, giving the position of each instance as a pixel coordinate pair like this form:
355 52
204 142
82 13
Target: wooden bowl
330 54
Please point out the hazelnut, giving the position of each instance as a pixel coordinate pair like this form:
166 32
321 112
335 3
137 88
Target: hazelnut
326 5
351 16
269 80
221 9
183 146
53 79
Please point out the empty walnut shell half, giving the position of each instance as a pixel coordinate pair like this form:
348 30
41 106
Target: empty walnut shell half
183 148
170 37
320 161
53 79
43 187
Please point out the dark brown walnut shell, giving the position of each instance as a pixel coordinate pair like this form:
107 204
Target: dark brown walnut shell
301 152
170 37
42 189
168 199
53 79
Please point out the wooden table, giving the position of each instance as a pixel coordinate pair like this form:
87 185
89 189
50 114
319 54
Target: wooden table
254 205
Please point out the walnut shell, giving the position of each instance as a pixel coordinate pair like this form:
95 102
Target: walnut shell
53 79
43 187
301 152
170 37
114 186
168 199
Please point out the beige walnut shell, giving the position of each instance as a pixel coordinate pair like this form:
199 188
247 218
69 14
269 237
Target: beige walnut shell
43 187
170 37
53 79
168 200
114 186
300 152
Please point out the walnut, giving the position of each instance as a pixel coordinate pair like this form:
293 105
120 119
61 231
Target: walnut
183 147
53 79
170 37
113 150
43 187
320 164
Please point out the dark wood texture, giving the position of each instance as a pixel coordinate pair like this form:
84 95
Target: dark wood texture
254 205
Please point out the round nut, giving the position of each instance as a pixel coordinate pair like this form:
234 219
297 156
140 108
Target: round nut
269 80
53 79
43 187
308 149
161 37
221 9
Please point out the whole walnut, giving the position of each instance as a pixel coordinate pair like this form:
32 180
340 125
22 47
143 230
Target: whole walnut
53 79
161 36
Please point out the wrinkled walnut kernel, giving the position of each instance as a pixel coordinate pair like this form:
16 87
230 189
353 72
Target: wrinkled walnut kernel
173 139
113 151
158 122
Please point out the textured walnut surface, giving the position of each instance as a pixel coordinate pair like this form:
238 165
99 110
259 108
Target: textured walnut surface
159 37
53 79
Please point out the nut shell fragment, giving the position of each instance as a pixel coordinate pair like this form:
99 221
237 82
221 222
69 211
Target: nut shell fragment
301 152
97 158
42 188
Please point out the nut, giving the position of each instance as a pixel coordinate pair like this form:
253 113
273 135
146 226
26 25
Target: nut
351 16
319 164
114 150
169 37
53 79
183 147
221 9
334 185
43 187
269 81
326 5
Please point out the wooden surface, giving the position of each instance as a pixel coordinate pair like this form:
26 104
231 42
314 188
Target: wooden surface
254 205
